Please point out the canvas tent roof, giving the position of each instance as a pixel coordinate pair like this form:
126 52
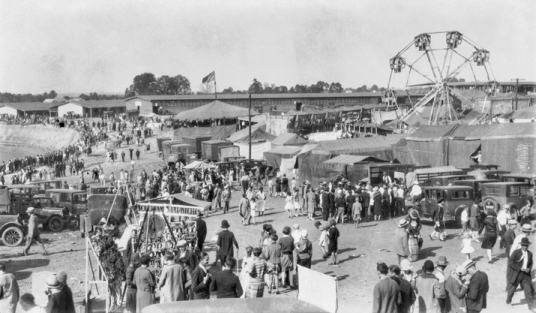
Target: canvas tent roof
275 156
289 139
284 150
215 110
359 144
470 132
257 134
511 131
524 114
352 159
432 133
216 132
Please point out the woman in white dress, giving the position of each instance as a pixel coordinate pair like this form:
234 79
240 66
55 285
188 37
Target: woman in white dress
289 204
253 209
261 201
246 268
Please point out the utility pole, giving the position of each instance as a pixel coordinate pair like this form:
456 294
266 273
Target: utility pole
517 90
249 118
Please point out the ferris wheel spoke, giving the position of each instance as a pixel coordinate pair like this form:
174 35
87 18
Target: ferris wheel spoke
431 65
418 72
451 74
437 65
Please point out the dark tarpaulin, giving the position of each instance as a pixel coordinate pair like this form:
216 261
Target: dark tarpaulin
216 132
429 144
273 157
400 152
464 142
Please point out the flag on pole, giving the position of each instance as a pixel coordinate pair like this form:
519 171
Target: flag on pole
210 77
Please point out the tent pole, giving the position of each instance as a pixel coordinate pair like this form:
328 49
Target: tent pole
249 118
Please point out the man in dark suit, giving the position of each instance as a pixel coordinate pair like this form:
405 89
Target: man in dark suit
332 208
325 205
520 264
201 279
201 230
386 292
509 238
225 283
226 240
476 297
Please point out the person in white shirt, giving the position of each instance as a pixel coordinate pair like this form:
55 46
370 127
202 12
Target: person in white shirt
503 218
416 192
464 218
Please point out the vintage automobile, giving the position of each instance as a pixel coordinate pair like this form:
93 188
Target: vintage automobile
495 195
448 179
454 199
424 175
376 171
74 200
488 174
529 179
46 184
11 223
476 184
53 218
17 198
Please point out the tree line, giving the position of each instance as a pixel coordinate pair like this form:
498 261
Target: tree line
7 97
148 84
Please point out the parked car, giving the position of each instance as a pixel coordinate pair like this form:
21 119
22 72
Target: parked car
53 218
12 227
454 199
17 198
529 179
74 200
46 184
495 195
448 179
476 184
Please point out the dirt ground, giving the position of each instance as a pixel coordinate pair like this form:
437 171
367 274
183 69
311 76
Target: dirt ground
360 250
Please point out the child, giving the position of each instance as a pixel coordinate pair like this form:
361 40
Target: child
289 205
466 247
253 209
465 221
246 265
356 213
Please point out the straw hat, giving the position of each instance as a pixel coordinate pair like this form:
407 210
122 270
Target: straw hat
526 228
405 265
468 263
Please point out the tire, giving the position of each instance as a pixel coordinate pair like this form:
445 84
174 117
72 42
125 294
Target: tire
73 223
491 204
55 223
12 236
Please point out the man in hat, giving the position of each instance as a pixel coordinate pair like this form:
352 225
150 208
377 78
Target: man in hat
62 279
225 283
57 299
455 290
386 292
407 294
476 297
407 272
428 289
10 291
226 198
201 230
526 229
226 240
520 263
441 265
439 227
33 232
401 240
172 280
325 200
201 278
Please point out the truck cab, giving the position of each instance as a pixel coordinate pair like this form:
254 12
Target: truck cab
448 179
454 199
74 200
476 184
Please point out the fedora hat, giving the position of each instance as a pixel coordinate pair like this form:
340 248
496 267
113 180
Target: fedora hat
405 265
525 241
526 228
225 224
52 282
468 263
442 260
461 271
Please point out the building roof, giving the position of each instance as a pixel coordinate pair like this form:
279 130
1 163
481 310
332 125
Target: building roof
284 150
98 104
258 134
296 96
510 131
30 106
352 159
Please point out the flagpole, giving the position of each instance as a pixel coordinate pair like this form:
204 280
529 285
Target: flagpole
215 89
249 118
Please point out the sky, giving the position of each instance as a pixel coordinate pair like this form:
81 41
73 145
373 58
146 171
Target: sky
99 46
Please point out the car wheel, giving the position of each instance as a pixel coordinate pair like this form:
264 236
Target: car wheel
12 236
55 224
73 223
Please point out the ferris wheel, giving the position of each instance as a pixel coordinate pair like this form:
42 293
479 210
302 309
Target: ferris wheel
433 67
